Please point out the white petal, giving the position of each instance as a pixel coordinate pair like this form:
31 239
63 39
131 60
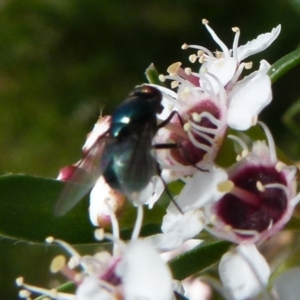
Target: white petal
144 274
248 97
90 289
178 228
201 189
286 285
259 44
103 201
222 68
244 272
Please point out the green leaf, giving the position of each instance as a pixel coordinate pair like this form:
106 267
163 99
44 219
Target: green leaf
26 213
152 75
197 259
284 64
291 118
68 287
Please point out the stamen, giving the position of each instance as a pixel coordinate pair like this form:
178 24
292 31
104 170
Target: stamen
184 46
204 135
162 78
188 71
211 118
192 58
51 293
204 129
248 65
138 223
99 234
225 186
174 84
242 144
245 232
64 245
278 186
235 42
196 117
173 69
254 120
237 74
270 140
216 39
187 126
196 143
246 196
260 186
57 264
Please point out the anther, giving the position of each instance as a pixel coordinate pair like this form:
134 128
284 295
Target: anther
174 84
225 186
279 166
184 46
196 117
49 240
192 58
99 234
248 65
187 126
57 264
235 29
260 186
188 71
173 68
204 22
162 78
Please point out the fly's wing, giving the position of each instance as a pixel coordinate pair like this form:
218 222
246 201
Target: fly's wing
86 173
138 166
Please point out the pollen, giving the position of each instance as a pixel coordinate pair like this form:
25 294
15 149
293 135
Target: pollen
248 65
188 71
184 46
24 294
57 264
201 59
173 69
235 29
162 78
254 120
19 281
228 228
279 166
187 126
204 22
174 84
49 240
192 58
99 234
196 117
260 186
225 186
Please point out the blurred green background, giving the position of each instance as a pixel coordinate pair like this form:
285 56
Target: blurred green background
61 62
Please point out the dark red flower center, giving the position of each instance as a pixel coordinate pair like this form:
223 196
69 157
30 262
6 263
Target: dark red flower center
188 153
259 215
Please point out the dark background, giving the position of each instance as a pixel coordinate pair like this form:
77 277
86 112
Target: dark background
63 61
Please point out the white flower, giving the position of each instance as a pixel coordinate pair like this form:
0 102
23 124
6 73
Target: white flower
244 272
226 64
144 274
199 191
133 271
248 97
259 198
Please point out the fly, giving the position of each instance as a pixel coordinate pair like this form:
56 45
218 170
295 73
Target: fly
123 154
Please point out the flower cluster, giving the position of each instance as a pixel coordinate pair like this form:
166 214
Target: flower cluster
246 202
